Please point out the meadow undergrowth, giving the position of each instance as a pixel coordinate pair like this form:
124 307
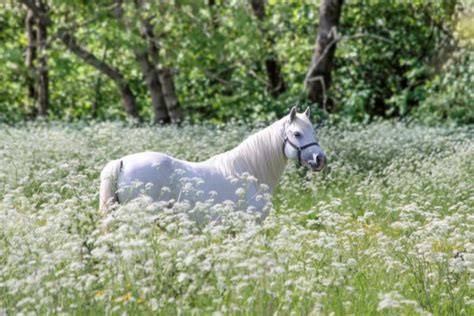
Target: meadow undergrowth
387 228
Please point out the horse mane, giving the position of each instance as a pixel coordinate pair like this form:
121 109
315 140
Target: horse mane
260 155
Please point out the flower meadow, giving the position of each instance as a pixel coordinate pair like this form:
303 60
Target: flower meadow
387 228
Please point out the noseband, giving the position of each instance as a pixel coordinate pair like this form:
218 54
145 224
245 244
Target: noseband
298 148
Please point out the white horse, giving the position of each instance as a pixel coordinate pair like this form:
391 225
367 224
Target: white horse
262 155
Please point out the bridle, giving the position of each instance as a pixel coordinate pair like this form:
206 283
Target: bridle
298 148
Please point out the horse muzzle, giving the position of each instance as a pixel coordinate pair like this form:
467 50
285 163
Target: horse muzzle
318 163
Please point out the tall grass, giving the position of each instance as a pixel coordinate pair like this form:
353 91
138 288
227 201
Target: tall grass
387 228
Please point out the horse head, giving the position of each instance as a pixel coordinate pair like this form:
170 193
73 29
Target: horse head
300 141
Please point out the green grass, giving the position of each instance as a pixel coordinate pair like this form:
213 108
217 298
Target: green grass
386 229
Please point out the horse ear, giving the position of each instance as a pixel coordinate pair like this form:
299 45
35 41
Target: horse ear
292 113
307 112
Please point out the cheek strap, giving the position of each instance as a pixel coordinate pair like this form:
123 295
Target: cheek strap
298 148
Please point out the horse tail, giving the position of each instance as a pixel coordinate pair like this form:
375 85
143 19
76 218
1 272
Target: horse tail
109 185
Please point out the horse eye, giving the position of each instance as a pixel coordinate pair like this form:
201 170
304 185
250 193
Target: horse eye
297 134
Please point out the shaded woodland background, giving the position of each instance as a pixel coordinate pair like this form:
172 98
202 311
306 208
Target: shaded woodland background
169 61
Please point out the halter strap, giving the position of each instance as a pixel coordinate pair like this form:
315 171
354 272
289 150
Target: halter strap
298 148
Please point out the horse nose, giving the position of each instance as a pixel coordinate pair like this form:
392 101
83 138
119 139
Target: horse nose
320 160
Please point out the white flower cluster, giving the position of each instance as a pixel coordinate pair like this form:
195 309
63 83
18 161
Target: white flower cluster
388 227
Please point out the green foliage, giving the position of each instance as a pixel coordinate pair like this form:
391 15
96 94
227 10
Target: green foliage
388 55
395 59
451 93
13 101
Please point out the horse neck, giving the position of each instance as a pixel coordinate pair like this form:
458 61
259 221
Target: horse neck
260 155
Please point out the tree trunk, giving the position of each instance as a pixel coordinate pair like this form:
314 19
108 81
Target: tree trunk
31 55
276 84
128 98
169 92
43 79
318 78
149 72
154 87
166 76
